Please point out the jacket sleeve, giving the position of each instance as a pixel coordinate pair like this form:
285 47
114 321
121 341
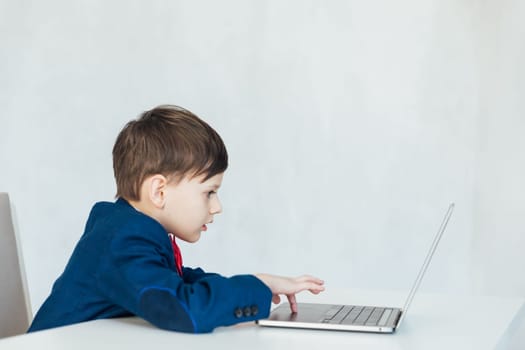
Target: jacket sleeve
190 275
135 274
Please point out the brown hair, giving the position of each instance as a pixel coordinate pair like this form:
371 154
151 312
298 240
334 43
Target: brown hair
167 140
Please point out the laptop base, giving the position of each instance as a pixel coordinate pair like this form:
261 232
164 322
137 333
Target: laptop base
324 317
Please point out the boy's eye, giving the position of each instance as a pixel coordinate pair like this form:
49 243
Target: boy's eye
211 193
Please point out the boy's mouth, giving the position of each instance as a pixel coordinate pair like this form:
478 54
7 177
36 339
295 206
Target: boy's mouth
204 228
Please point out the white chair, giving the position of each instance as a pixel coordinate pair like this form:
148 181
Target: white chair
15 310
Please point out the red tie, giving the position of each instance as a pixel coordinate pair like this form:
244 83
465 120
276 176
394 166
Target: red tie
176 253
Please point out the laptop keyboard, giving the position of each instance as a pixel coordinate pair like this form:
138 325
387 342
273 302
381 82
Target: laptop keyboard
357 315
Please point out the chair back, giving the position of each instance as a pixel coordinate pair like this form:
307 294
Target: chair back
15 311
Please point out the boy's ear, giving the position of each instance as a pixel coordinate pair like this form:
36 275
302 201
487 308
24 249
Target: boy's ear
157 190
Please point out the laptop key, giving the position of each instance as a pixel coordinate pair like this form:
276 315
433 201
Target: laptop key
384 317
375 316
341 314
332 312
363 316
350 318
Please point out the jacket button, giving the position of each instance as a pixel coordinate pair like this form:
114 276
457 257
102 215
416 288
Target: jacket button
255 310
238 312
247 311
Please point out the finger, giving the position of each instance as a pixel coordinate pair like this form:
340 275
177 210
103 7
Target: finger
312 287
308 278
299 287
276 299
316 288
293 302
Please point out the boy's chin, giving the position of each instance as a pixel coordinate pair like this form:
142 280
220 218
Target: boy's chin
192 238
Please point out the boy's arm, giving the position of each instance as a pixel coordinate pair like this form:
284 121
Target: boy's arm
135 275
190 275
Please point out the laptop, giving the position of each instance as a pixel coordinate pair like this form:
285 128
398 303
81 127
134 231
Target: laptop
355 318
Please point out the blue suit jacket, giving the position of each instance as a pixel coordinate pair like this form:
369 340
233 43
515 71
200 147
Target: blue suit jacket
124 265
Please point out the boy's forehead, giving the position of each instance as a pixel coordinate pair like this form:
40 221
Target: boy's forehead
214 181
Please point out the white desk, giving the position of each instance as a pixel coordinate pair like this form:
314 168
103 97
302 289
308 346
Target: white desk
479 323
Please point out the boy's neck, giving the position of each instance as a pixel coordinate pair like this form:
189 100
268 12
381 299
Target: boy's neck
142 207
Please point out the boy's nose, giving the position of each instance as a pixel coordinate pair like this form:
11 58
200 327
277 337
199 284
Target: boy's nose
216 206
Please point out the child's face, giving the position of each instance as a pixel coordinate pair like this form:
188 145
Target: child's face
190 205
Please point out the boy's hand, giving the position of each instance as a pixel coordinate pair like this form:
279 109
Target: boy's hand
290 286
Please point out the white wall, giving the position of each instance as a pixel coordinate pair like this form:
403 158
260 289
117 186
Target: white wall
500 192
350 126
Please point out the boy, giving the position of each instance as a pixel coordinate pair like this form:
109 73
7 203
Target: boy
168 166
